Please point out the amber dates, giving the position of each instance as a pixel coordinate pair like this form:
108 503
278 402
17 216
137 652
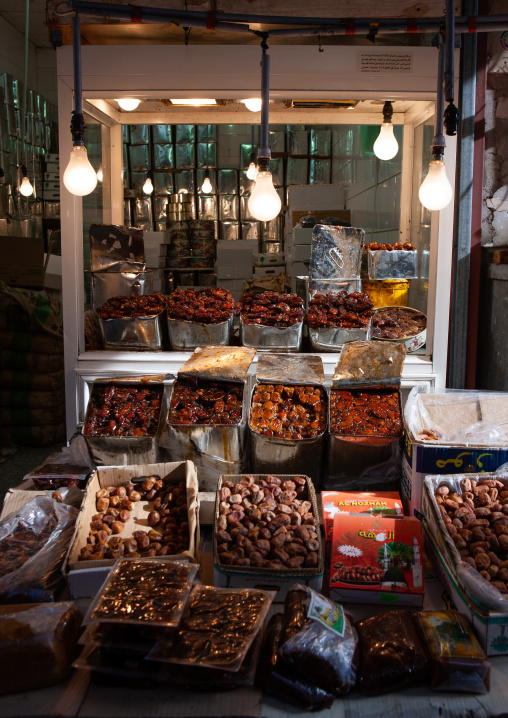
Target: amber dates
287 411
365 413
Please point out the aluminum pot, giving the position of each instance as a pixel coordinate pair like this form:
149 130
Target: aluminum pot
135 333
264 338
187 336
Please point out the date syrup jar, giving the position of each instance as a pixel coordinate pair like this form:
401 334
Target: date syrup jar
365 423
122 442
274 454
215 448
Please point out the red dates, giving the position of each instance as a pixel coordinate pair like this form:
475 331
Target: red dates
365 413
288 412
200 401
206 306
339 309
271 309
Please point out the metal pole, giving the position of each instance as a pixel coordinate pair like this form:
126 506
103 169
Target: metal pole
438 141
450 50
459 308
25 83
265 101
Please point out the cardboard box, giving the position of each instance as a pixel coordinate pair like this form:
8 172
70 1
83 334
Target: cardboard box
297 269
269 579
230 254
491 627
299 253
50 195
24 263
302 235
264 272
262 259
375 503
376 560
83 584
237 272
16 498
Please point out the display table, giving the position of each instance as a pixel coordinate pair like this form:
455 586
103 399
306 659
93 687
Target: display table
84 699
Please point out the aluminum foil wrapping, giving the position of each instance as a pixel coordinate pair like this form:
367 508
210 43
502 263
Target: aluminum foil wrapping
228 181
336 252
298 142
228 207
163 158
184 182
135 333
250 230
369 364
266 338
280 369
246 185
320 142
277 141
207 207
115 248
397 264
206 133
162 134
227 363
185 156
319 171
246 151
297 171
120 284
230 230
138 157
206 154
200 178
185 133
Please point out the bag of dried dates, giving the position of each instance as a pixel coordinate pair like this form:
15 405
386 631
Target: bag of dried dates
392 655
324 647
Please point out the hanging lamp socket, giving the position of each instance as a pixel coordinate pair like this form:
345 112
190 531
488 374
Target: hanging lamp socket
387 111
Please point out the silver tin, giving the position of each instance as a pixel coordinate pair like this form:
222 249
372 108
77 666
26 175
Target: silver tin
228 181
215 449
321 142
246 184
397 264
306 287
187 336
333 339
298 142
271 455
207 207
250 230
138 158
228 207
412 343
116 248
185 156
272 230
230 230
297 171
52 209
365 462
163 158
245 212
272 247
264 338
128 450
319 171
200 178
120 284
135 333
336 252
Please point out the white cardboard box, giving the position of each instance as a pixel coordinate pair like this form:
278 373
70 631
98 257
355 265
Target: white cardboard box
302 235
264 272
262 259
299 253
237 272
297 269
231 254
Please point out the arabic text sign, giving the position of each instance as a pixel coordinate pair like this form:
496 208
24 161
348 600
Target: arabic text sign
383 62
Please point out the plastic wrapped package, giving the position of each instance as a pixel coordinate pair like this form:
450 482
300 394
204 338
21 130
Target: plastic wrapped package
279 681
37 645
392 655
33 542
324 650
458 662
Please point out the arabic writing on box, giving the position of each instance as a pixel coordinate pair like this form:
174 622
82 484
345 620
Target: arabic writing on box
386 62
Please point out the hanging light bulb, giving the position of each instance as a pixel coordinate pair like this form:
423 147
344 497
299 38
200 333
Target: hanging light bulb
80 177
386 146
253 104
436 191
148 186
206 187
264 202
252 171
25 187
128 103
100 174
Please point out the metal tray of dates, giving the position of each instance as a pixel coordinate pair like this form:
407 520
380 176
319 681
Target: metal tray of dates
302 573
264 338
331 339
272 454
135 333
116 284
187 336
215 448
373 368
412 342
395 264
108 449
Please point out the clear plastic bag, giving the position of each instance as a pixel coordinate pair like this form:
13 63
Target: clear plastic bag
481 432
33 543
480 590
325 648
392 653
37 645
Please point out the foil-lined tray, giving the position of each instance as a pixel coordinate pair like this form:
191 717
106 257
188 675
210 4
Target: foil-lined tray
120 284
266 338
187 336
212 362
332 339
369 364
135 333
281 369
336 252
397 264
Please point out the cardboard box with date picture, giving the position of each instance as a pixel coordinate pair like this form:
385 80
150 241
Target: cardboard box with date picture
376 560
384 504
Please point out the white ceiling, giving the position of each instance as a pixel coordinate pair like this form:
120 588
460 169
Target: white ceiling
14 12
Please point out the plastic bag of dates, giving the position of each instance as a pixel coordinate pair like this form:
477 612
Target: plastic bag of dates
392 654
474 521
218 628
324 648
267 523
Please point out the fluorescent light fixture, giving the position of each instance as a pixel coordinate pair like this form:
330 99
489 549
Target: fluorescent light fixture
195 102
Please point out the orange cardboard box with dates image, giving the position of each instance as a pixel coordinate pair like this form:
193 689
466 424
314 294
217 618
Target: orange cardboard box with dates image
376 560
376 503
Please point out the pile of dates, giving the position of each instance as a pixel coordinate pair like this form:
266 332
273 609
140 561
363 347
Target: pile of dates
374 246
365 413
123 410
146 305
397 323
362 575
144 591
167 518
206 306
267 524
477 521
202 401
339 309
23 542
288 412
219 625
271 309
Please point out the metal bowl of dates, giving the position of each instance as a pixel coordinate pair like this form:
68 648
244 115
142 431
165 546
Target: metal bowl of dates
400 324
